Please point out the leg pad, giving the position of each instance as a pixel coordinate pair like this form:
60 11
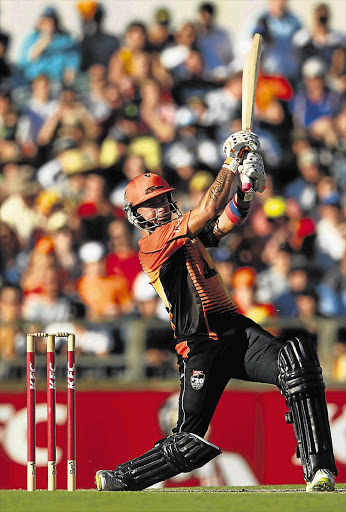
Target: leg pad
178 453
302 385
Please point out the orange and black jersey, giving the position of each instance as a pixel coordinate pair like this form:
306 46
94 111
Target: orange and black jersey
184 275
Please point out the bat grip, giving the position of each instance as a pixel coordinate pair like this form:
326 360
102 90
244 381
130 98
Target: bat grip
246 186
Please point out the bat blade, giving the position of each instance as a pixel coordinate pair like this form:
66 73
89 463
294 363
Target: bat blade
249 83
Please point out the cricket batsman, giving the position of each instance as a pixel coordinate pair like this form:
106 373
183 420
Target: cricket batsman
215 343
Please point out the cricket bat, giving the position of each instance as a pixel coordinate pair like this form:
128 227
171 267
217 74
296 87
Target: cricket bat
249 86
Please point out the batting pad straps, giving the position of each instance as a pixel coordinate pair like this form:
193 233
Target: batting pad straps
178 453
302 385
236 214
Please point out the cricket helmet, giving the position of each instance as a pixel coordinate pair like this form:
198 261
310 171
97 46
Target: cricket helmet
143 188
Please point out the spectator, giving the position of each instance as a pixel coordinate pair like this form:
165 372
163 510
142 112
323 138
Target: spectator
274 119
132 167
96 45
10 255
275 209
188 80
114 105
48 202
123 257
131 99
146 300
307 305
121 62
150 149
11 315
5 67
224 105
298 280
303 235
321 40
278 25
186 35
224 265
214 43
93 340
244 293
10 150
337 74
158 115
315 105
94 201
105 296
68 115
160 33
37 110
18 209
193 146
95 99
332 290
273 281
40 260
142 67
95 210
330 231
50 305
303 188
70 158
339 358
49 50
173 57
113 155
64 239
149 307
199 184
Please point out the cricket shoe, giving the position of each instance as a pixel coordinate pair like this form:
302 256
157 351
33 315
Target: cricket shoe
323 481
106 481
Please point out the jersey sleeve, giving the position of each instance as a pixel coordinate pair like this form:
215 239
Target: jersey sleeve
207 236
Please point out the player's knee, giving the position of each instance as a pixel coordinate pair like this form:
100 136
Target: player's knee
193 426
188 451
299 367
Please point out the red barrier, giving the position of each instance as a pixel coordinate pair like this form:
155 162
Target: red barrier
258 446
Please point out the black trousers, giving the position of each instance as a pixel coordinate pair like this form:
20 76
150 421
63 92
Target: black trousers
245 351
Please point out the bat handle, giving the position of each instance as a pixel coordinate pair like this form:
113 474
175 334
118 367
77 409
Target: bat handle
246 186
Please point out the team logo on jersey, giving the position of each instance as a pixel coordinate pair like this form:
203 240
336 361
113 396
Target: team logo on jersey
177 227
197 379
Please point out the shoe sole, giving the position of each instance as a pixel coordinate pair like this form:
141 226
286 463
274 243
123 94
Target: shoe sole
322 486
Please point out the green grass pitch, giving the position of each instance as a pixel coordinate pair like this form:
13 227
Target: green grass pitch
288 498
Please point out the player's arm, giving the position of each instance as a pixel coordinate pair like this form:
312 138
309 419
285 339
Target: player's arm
216 197
236 211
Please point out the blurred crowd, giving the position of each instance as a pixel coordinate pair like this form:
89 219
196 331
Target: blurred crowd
80 118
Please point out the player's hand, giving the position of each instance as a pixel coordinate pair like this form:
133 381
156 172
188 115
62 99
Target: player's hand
252 176
239 142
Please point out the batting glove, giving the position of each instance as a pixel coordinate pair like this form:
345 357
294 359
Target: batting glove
252 176
231 164
239 142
